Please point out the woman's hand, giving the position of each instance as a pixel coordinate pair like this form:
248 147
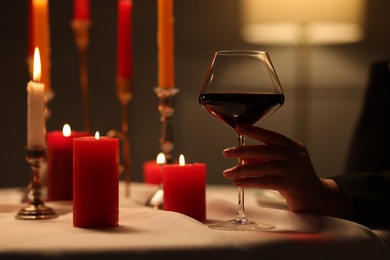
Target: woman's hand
282 164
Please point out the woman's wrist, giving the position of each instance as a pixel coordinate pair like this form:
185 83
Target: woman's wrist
339 204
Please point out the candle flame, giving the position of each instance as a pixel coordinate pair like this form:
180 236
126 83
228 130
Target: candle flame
37 65
97 135
66 131
160 158
182 161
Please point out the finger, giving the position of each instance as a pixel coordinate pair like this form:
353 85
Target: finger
260 152
252 160
265 136
255 170
263 182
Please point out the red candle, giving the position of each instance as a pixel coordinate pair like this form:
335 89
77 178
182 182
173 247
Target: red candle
124 43
185 189
95 182
152 170
81 10
60 163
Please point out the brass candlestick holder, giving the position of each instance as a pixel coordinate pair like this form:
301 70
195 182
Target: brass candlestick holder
124 94
81 38
49 95
166 108
36 208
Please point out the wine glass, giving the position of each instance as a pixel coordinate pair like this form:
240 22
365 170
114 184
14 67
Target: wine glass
241 87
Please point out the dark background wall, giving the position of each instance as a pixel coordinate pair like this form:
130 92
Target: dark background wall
338 79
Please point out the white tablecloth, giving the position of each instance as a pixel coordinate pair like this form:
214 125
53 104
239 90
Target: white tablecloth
145 233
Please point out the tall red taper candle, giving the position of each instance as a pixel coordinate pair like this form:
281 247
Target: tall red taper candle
124 43
81 10
95 182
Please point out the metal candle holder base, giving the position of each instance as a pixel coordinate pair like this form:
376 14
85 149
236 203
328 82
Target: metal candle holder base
36 208
156 201
166 109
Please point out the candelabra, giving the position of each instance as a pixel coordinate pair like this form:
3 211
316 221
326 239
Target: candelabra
81 34
36 208
124 94
166 108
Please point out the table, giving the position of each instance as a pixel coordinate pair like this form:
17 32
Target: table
146 233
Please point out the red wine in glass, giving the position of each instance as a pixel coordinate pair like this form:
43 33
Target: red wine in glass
241 108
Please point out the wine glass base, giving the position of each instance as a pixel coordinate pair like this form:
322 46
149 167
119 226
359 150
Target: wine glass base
234 225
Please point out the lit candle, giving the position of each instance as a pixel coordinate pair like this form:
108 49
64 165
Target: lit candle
60 163
95 182
40 15
165 43
185 188
124 43
81 10
152 170
36 128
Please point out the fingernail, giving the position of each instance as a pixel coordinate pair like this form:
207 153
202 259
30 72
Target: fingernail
228 151
227 173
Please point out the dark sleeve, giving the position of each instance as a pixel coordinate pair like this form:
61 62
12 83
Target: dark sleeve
370 194
368 150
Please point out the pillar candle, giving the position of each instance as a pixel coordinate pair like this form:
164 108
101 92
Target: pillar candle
152 170
36 127
40 15
81 10
185 189
60 163
124 43
165 43
95 182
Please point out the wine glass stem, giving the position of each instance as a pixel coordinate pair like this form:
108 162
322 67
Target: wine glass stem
241 217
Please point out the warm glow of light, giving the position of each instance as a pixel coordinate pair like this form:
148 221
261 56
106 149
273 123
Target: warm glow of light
286 22
97 135
160 158
182 161
66 131
37 65
292 33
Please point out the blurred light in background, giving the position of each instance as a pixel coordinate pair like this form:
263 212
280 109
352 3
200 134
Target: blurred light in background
312 22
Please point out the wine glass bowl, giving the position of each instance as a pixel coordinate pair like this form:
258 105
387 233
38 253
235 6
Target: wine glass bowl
241 108
241 87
